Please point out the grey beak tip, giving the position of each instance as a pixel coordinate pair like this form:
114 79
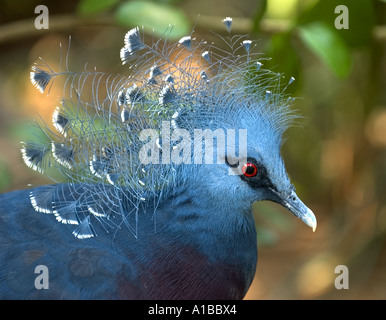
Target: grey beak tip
309 219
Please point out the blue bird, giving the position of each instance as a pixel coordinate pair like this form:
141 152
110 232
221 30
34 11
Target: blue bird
155 176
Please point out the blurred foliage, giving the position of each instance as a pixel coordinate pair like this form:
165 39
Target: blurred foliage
328 46
95 6
336 155
155 16
5 178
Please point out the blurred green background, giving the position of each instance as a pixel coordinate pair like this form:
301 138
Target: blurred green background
336 157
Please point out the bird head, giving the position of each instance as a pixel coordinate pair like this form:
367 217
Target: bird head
190 113
245 130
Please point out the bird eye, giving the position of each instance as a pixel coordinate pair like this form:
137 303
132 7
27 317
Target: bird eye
249 169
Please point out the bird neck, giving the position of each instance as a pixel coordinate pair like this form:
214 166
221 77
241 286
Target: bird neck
223 232
197 251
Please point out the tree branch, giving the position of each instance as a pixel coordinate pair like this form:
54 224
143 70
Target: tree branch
23 29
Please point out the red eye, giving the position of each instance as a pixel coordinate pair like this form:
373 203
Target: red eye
249 170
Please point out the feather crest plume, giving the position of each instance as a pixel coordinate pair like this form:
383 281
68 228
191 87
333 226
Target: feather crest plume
100 118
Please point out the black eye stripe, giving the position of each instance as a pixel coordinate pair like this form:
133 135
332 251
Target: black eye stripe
261 170
260 179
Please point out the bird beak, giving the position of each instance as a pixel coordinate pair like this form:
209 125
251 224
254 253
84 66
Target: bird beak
292 202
